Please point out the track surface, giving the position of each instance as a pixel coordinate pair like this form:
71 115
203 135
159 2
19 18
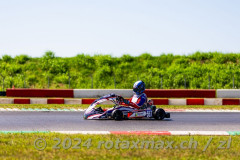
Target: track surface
73 121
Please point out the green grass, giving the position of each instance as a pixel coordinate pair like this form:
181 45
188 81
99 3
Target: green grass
21 146
84 106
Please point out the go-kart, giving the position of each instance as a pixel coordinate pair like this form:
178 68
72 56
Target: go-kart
119 112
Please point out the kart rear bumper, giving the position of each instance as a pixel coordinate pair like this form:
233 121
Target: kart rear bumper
167 115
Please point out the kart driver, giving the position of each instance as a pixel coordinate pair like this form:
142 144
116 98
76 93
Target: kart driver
139 99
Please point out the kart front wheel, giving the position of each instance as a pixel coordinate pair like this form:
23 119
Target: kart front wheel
159 114
117 115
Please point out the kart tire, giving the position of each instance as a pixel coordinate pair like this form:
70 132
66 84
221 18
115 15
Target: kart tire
159 114
117 115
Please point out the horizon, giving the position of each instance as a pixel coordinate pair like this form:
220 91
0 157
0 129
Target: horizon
121 55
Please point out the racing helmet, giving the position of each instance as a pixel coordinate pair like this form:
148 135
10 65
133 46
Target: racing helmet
139 87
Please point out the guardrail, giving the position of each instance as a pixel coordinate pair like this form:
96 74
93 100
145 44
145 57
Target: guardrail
181 93
40 93
96 93
39 101
228 93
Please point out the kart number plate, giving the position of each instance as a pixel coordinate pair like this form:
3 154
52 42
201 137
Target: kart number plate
149 113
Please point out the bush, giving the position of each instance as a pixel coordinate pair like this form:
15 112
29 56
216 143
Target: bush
7 58
104 70
22 59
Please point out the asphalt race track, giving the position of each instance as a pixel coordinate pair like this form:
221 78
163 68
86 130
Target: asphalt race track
73 121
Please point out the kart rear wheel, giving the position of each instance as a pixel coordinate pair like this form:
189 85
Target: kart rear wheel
153 108
117 115
159 114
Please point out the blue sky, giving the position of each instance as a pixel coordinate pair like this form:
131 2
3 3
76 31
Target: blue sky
118 27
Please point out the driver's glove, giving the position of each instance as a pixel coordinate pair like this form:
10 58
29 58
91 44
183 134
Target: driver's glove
126 101
120 99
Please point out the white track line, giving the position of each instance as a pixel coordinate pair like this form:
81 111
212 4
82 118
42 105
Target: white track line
217 133
82 132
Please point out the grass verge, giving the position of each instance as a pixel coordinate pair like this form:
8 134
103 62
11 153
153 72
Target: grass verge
21 146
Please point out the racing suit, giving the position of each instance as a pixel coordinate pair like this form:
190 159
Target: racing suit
137 101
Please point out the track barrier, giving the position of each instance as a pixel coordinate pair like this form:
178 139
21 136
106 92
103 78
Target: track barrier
40 93
188 101
230 102
55 101
181 93
96 93
195 101
21 101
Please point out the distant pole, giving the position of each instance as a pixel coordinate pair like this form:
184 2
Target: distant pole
114 81
236 81
12 82
209 81
48 81
185 85
161 82
69 83
92 82
233 82
2 83
24 82
150 85
173 82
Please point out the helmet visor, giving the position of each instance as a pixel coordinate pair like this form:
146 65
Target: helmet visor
135 89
